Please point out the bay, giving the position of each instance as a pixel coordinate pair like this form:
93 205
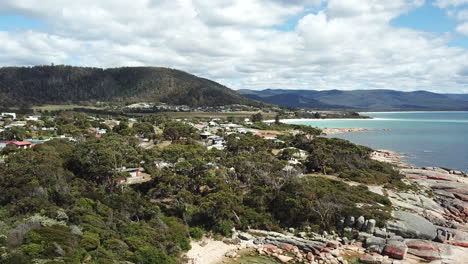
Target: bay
437 139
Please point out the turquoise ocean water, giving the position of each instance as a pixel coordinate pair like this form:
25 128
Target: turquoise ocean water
426 138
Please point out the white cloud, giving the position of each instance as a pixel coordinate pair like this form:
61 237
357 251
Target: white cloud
346 45
463 28
450 3
462 15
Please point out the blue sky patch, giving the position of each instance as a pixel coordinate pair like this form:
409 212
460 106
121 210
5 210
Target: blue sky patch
428 18
14 22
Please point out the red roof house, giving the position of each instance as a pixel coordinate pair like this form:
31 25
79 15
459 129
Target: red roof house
20 144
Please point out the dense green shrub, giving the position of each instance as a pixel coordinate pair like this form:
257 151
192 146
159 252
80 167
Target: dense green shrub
196 232
33 250
90 241
150 255
224 227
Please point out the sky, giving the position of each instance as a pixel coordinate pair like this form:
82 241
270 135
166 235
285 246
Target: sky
251 44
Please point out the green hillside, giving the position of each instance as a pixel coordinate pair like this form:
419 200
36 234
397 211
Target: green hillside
66 84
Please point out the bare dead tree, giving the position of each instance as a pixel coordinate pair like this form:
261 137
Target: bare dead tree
326 209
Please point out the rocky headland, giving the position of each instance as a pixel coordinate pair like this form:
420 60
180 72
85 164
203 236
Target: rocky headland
429 225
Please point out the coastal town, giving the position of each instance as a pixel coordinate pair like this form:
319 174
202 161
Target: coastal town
428 206
21 132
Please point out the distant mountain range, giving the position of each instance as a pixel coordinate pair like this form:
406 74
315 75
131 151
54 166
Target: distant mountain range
25 86
361 100
66 85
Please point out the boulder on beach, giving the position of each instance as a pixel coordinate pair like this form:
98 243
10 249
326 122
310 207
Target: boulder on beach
410 225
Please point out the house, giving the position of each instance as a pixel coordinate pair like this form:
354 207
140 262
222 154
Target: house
266 136
212 123
231 126
218 141
33 118
134 172
112 123
20 144
9 115
162 164
120 180
17 124
206 135
216 146
243 130
2 145
299 153
140 106
135 175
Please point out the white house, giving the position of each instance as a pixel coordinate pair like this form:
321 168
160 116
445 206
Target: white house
33 118
12 115
134 173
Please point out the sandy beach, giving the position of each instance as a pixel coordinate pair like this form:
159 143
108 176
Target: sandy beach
208 251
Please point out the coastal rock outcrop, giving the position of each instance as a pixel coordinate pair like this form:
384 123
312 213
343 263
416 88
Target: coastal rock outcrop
430 250
410 225
395 249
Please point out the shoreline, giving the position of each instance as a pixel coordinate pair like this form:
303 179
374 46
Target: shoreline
435 111
318 119
392 157
335 131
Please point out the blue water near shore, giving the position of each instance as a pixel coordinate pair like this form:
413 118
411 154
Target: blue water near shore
426 138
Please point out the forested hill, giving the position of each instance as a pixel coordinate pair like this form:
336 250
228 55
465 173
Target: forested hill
66 84
361 100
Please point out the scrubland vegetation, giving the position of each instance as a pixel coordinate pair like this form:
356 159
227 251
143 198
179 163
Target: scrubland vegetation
60 201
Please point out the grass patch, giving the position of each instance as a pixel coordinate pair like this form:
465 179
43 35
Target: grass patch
63 107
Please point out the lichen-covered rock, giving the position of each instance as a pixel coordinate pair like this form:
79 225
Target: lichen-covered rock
410 225
360 222
424 249
349 222
375 244
245 236
362 236
284 259
380 233
395 249
368 259
370 226
340 223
